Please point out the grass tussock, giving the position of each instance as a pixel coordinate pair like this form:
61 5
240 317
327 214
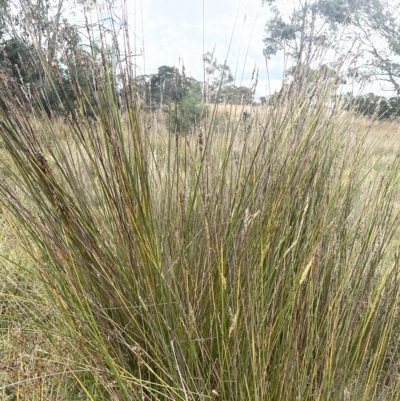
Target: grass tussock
252 260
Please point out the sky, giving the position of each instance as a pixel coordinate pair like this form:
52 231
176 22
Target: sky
171 33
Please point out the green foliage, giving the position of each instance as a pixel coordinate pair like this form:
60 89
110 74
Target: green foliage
3 12
336 12
218 86
190 111
43 54
175 93
308 26
218 74
369 31
163 88
376 24
14 61
379 107
279 32
191 107
17 70
184 98
56 92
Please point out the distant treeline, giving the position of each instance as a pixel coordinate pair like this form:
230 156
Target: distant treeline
186 99
169 86
375 106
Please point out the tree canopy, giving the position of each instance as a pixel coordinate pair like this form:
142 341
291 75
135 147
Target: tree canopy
69 56
369 29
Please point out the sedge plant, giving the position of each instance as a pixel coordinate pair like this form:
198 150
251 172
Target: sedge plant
250 260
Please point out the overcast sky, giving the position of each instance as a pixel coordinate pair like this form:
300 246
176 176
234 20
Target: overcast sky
169 32
172 31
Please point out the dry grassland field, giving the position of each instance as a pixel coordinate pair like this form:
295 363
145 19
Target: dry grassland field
269 217
161 242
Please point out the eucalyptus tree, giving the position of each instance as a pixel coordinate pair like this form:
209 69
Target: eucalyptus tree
367 29
303 30
377 28
218 78
55 40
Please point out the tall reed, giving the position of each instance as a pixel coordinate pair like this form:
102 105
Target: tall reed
250 262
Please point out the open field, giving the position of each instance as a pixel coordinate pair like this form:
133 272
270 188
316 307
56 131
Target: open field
252 259
157 248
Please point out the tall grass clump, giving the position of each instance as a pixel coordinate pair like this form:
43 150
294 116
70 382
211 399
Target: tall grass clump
250 261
